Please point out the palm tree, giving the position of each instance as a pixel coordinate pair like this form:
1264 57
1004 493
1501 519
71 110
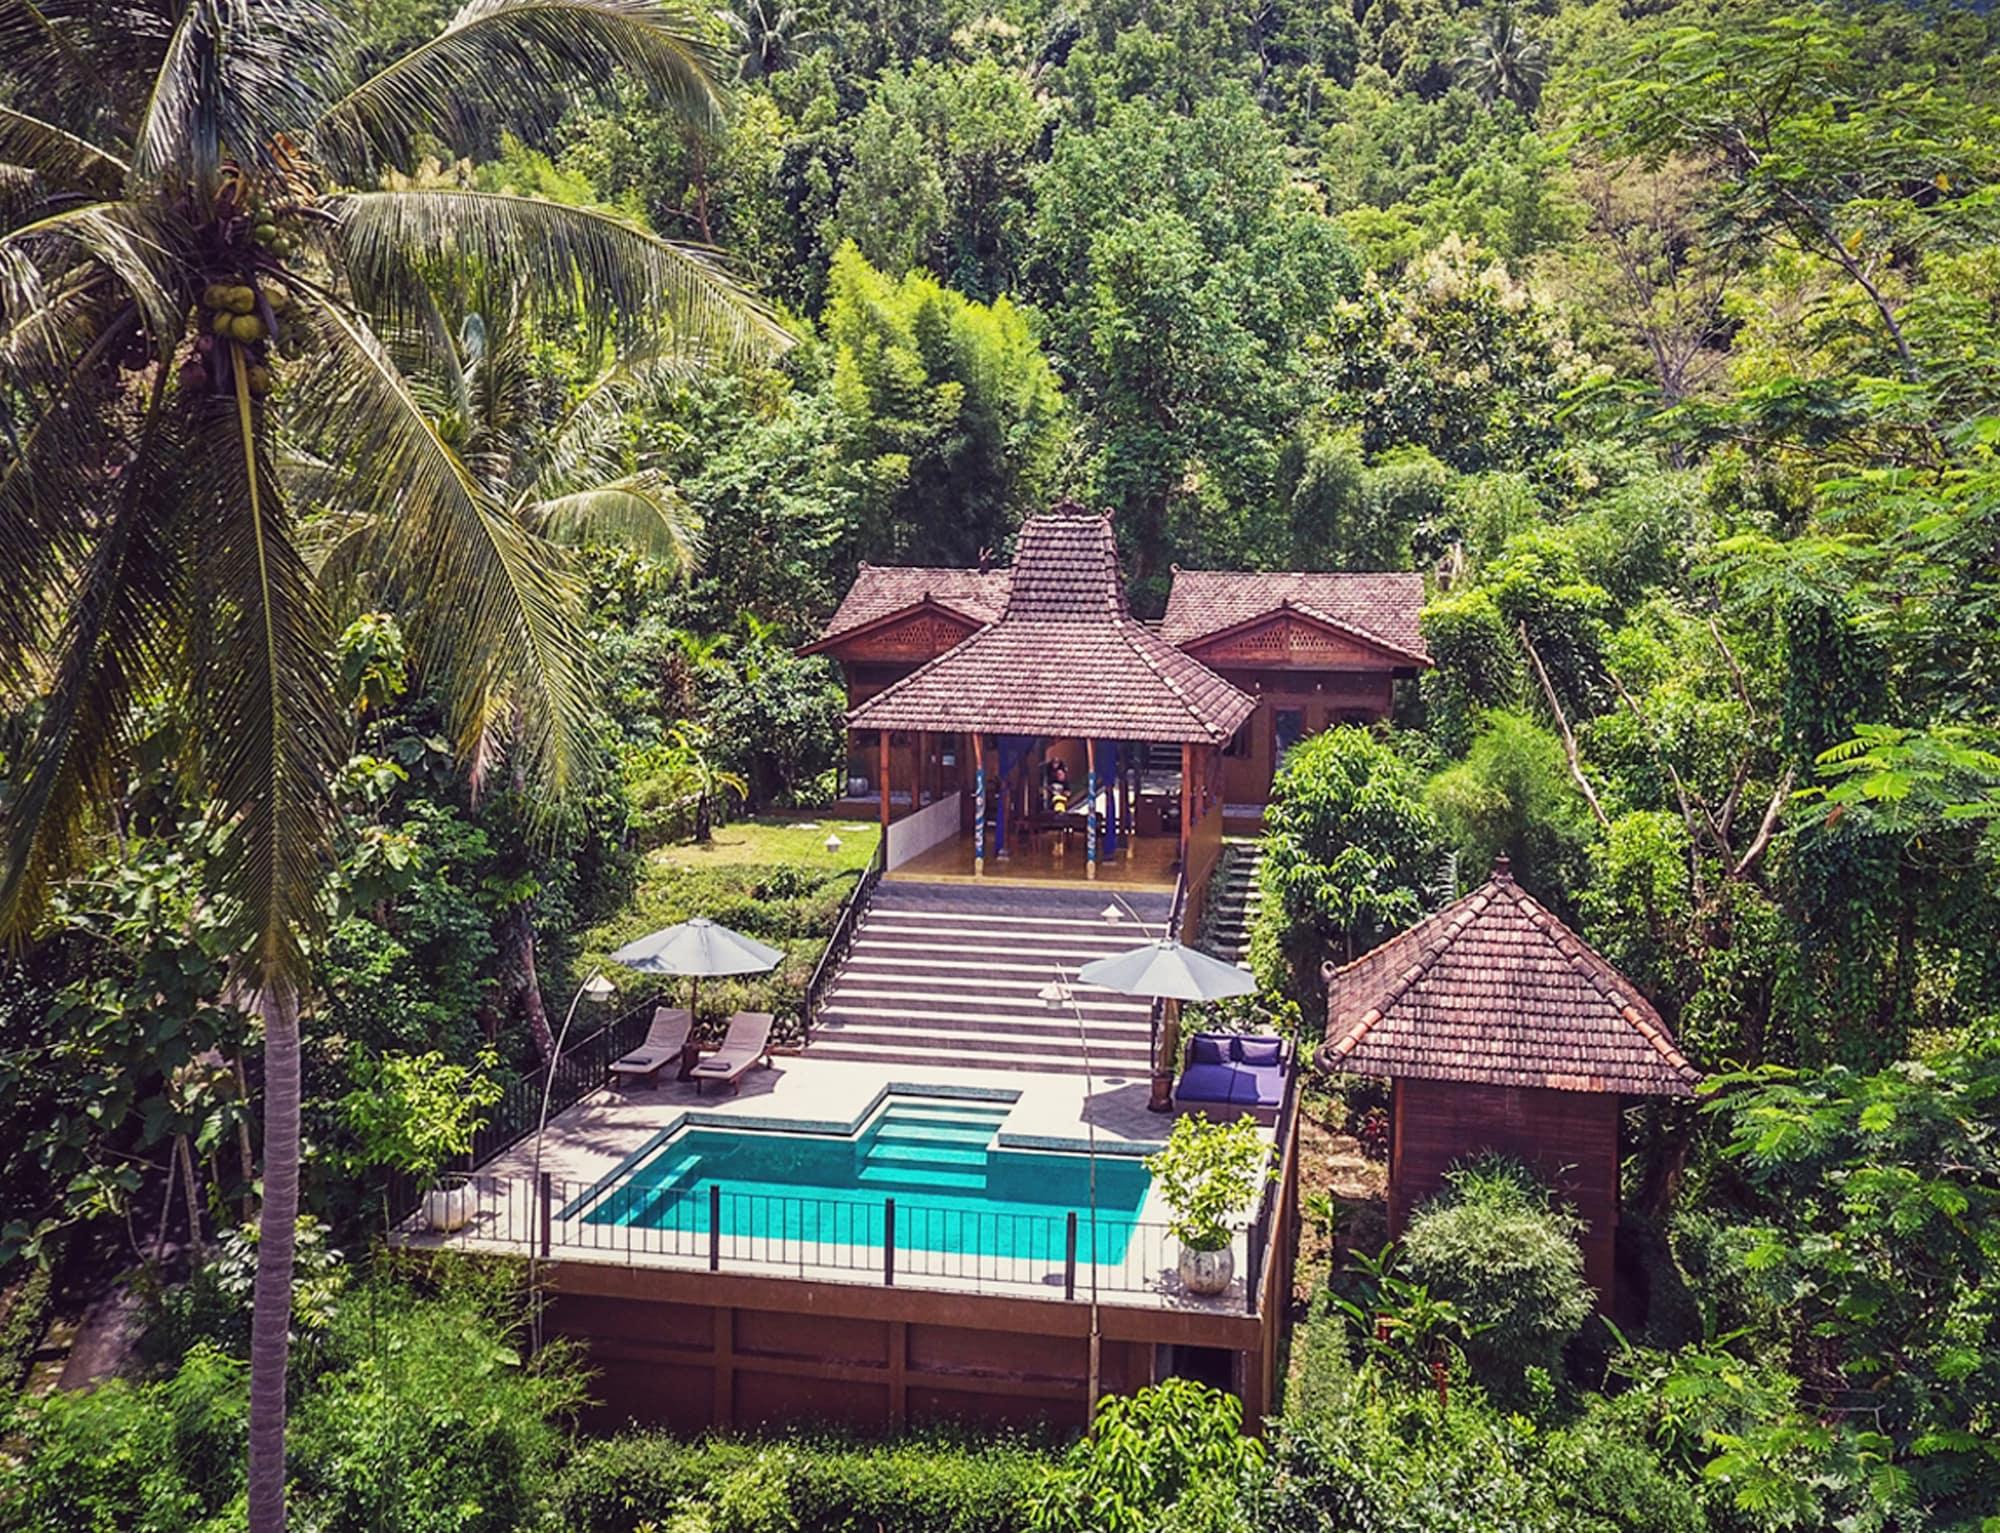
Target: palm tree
194 271
1502 60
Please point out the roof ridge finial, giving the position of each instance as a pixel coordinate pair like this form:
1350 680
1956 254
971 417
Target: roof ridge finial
1503 869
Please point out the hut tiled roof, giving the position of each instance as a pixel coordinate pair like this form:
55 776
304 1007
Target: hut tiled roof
883 590
1381 608
1494 990
1064 657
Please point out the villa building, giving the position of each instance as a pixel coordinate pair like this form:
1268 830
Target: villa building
956 677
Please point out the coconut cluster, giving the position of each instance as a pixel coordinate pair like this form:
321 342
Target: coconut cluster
245 314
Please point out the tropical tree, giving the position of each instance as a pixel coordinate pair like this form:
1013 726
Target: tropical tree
192 287
1503 62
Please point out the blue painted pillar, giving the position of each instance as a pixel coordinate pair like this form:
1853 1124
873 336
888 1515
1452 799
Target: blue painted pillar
1090 809
978 805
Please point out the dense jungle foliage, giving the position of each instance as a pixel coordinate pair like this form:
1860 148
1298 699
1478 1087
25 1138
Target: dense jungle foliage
1663 338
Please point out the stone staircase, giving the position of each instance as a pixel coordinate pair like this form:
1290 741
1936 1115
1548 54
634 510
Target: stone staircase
1237 900
950 975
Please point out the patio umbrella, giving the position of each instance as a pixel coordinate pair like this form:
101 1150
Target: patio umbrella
1171 971
1168 970
698 949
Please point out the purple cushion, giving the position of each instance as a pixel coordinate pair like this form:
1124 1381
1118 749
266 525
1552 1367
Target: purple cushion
1258 1052
1207 1050
1207 1083
1257 1088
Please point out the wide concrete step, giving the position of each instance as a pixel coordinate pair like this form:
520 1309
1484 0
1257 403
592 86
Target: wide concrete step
1026 938
888 1056
917 1179
1004 982
985 1038
998 920
921 1000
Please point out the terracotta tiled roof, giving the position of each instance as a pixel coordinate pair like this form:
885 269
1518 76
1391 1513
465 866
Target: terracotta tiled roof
1379 607
1495 990
882 590
1065 657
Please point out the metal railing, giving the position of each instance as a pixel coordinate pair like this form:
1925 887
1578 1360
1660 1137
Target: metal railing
1267 1234
885 1241
834 954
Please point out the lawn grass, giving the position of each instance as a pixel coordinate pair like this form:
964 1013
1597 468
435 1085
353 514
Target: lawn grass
770 841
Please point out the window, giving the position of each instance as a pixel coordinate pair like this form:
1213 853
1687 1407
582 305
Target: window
1288 727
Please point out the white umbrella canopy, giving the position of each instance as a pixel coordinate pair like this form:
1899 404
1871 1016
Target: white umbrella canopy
698 949
1168 970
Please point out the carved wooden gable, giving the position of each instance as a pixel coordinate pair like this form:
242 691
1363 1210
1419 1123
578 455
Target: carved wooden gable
923 633
1289 641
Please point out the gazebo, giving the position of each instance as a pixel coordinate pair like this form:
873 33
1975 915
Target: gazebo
1501 1031
1058 669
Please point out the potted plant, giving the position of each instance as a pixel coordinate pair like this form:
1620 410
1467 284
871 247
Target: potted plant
1209 1174
412 1113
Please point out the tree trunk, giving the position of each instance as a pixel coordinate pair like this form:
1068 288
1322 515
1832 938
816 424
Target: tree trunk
521 964
271 1307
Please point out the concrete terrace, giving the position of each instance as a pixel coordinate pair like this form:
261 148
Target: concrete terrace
591 1147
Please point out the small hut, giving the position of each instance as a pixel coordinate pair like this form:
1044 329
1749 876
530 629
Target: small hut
1502 1032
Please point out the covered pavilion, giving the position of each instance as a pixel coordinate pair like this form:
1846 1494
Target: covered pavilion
1502 1032
1035 730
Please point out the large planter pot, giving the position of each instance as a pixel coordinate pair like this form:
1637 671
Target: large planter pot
1207 1272
450 1207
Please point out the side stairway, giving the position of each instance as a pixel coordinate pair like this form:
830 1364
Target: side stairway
951 975
1237 901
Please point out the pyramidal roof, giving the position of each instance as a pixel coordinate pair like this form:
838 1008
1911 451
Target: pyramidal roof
1065 657
1496 991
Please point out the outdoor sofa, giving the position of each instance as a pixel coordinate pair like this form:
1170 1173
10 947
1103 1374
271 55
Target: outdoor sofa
1235 1073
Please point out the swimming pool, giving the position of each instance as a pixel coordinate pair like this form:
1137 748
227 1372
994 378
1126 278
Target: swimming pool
955 1189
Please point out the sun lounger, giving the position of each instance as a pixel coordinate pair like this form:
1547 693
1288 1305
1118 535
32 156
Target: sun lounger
666 1041
748 1043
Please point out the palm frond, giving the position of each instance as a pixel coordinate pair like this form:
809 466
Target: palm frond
60 159
575 264
270 725
519 62
236 80
488 607
34 47
107 656
68 452
644 509
127 239
589 440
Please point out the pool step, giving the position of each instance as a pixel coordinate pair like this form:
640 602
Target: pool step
927 1155
919 1179
978 1135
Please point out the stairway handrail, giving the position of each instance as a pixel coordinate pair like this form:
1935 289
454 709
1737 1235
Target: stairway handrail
840 939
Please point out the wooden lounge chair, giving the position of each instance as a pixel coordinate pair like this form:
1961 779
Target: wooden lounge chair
748 1043
666 1041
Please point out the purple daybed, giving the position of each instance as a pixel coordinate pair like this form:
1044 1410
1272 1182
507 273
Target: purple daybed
1240 1072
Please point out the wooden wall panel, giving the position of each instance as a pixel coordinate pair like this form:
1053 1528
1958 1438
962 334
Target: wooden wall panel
781 1333
776 1399
1569 1137
958 1349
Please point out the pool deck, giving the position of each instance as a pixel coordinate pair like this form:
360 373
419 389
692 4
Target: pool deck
588 1144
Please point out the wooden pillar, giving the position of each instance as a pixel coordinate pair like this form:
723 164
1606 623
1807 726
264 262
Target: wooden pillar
1187 806
1090 808
882 736
920 784
978 804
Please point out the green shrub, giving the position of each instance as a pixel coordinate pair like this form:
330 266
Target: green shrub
829 1486
163 1457
1496 1245
1173 1443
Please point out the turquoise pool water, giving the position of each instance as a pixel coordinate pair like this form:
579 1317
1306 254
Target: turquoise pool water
955 1189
